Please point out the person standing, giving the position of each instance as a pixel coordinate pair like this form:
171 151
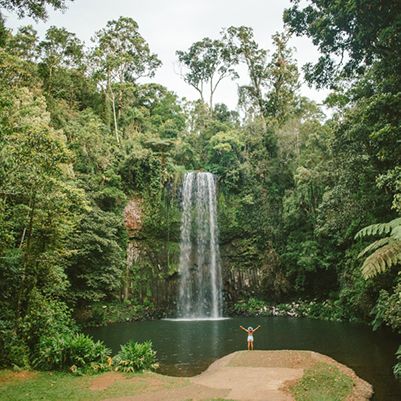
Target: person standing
250 332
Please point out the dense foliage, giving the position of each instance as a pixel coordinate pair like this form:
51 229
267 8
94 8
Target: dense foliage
77 352
135 357
92 160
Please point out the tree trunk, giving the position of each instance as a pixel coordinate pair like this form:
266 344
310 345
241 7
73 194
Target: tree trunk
26 256
112 97
211 97
113 104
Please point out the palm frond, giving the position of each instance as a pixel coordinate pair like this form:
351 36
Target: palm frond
382 259
375 245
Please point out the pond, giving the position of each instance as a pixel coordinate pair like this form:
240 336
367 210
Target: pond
186 348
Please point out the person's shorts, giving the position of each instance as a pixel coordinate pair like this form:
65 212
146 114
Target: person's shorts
250 338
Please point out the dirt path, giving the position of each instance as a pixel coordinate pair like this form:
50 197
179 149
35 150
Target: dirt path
243 376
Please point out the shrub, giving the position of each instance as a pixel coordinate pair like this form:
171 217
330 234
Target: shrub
20 338
83 350
135 357
13 349
388 309
326 310
76 352
252 306
100 314
45 317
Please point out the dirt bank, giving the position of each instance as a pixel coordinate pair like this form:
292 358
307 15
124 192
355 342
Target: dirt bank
240 376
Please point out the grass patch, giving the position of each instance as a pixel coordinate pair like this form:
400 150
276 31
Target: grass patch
322 382
56 386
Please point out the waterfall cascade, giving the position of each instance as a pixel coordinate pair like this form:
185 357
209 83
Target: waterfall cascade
200 294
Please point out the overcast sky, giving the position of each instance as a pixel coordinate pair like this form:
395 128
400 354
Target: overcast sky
170 25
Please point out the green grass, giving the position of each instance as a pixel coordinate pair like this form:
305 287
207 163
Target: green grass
51 386
322 382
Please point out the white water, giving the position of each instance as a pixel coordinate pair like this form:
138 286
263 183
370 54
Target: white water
200 294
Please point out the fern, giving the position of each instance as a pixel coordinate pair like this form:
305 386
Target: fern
396 232
396 222
375 245
382 259
374 229
386 251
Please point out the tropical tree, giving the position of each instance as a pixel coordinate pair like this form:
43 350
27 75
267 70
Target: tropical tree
39 201
35 9
240 41
271 92
283 80
61 61
120 57
362 43
350 35
207 62
156 110
24 43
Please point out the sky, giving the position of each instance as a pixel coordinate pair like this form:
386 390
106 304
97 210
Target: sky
170 25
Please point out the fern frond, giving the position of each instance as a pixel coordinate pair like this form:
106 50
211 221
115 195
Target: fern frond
396 232
374 229
395 223
382 259
375 245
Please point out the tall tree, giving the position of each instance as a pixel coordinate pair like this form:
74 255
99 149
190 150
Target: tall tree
37 196
272 91
121 56
351 35
207 62
282 96
59 51
240 41
24 43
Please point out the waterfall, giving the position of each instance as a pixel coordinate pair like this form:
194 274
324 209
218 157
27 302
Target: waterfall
200 285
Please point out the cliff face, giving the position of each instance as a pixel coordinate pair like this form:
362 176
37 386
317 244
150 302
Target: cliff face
153 249
133 221
133 216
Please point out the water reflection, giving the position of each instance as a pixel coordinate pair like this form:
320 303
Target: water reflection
195 341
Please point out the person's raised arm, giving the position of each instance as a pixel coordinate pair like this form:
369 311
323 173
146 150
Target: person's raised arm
257 328
243 328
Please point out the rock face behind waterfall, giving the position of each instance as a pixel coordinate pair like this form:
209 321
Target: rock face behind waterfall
133 221
200 286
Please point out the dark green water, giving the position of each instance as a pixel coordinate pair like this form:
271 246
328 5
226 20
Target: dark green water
188 348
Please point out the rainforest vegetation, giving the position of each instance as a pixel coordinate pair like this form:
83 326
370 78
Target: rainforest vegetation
92 160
